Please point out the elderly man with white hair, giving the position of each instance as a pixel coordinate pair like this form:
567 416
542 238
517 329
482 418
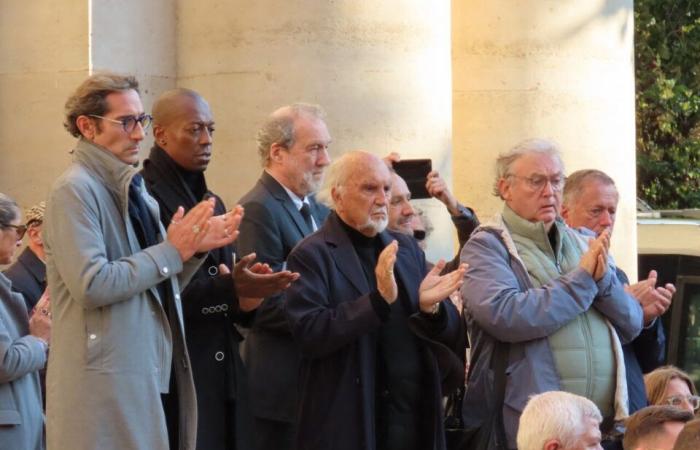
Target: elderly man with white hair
544 307
377 338
559 420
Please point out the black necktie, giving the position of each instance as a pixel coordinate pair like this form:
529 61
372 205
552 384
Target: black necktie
306 214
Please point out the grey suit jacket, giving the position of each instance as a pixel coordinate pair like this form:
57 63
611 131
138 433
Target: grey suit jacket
271 227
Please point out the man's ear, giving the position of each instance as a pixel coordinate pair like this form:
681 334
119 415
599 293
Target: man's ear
34 234
159 135
276 152
552 444
504 188
87 127
565 213
335 195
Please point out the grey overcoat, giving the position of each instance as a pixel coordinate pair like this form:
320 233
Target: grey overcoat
21 357
112 344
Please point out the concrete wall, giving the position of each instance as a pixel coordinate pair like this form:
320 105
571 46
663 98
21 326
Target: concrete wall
43 56
380 69
562 70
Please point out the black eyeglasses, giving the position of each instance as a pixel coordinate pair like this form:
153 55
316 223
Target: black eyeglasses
19 229
129 122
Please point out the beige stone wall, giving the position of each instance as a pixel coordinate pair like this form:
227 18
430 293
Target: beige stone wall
43 56
380 69
556 69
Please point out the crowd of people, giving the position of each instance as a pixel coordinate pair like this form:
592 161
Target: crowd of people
148 315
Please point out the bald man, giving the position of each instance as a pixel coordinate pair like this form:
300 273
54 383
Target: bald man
368 379
215 299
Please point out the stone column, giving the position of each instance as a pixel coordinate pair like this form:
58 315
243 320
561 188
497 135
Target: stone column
380 69
552 69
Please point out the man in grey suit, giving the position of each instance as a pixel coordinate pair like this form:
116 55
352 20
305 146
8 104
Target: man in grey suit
280 211
115 275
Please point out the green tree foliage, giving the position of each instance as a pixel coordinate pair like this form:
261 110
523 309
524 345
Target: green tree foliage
667 48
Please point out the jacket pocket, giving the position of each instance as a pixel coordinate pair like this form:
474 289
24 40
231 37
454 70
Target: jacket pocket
94 331
8 406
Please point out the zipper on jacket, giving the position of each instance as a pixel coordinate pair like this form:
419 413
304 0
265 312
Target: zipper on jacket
588 337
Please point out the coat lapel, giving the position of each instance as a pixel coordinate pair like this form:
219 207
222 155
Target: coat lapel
343 254
277 191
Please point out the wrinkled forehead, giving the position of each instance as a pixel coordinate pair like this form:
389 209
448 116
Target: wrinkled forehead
369 170
537 163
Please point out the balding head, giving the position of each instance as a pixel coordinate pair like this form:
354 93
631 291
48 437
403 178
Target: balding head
357 186
183 126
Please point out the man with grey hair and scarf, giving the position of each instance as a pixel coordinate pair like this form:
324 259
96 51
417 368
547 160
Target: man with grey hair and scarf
279 211
544 307
378 341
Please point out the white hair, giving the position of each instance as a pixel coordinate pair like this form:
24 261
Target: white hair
554 415
337 175
526 147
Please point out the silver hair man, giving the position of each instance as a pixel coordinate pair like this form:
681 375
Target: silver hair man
559 420
505 160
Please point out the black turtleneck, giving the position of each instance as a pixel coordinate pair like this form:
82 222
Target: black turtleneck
399 374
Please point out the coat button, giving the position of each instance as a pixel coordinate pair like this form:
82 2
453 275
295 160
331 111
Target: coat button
219 356
165 270
357 381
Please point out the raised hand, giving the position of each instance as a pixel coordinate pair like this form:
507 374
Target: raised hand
186 231
255 281
384 271
655 300
223 230
40 320
435 287
437 188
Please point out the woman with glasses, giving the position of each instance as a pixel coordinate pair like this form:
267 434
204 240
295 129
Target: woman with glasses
669 385
23 347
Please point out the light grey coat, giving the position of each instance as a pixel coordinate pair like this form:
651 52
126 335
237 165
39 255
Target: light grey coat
21 357
112 344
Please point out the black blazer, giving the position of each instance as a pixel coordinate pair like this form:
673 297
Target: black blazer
271 227
332 316
210 309
28 276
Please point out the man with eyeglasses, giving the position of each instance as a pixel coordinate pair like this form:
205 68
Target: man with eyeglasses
28 273
216 299
118 353
544 308
590 202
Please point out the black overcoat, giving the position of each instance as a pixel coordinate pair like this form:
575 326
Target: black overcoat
333 320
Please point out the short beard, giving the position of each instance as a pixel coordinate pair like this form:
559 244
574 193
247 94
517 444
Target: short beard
377 226
312 185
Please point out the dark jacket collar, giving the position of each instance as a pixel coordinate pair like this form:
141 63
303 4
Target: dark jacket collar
162 175
33 264
348 263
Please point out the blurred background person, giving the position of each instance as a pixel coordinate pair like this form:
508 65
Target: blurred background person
24 342
669 385
28 273
655 428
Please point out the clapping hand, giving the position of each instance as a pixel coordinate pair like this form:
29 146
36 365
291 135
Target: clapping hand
255 281
435 287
